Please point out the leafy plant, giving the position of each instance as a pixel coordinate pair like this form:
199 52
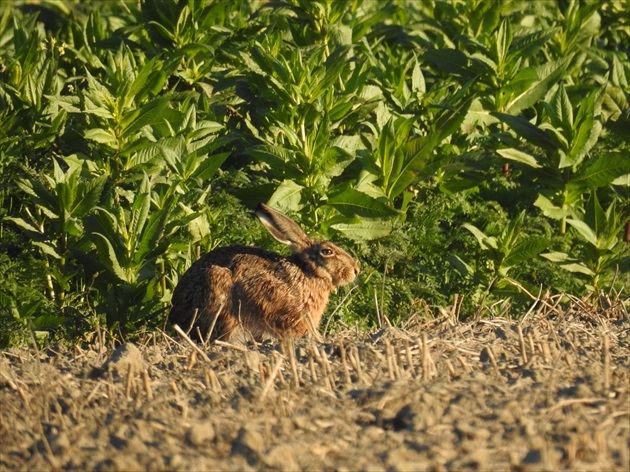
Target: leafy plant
55 219
603 254
567 172
499 253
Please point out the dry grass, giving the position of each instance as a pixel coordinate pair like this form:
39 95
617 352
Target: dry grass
548 392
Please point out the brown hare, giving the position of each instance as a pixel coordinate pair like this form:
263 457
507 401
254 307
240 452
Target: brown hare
239 290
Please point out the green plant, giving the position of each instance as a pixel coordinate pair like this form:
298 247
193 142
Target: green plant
603 254
55 217
500 253
567 172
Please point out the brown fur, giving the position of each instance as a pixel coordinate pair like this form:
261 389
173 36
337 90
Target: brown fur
260 292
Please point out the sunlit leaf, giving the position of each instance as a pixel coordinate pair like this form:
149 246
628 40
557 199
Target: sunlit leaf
47 249
600 171
287 197
362 229
503 41
100 136
23 224
547 74
108 256
519 156
484 240
351 202
549 209
586 130
584 230
568 263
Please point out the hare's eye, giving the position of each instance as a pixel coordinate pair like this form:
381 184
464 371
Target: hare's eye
327 252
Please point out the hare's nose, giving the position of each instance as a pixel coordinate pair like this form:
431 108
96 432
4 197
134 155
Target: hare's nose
356 269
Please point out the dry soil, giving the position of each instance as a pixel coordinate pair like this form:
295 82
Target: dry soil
550 391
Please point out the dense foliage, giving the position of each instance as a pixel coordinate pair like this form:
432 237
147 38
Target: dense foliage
470 147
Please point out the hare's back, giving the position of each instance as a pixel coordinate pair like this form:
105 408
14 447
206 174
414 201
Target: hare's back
226 272
235 257
228 262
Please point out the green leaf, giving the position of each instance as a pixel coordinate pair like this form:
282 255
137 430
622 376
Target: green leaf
209 166
46 322
386 150
174 152
503 41
600 171
595 217
526 46
23 224
455 185
140 84
361 230
563 108
450 61
100 136
270 65
151 113
549 209
47 249
477 115
548 74
198 225
152 234
108 256
584 230
58 174
577 267
526 130
556 256
88 196
586 130
24 311
623 181
277 157
351 202
511 231
287 197
334 162
525 251
519 156
335 63
568 263
418 84
140 209
485 241
520 82
484 17
417 152
464 269
607 225
104 222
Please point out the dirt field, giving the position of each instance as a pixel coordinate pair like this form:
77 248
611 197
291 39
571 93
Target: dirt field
549 392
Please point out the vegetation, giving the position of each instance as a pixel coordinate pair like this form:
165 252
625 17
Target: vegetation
477 148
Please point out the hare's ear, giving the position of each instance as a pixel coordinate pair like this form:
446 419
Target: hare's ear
281 227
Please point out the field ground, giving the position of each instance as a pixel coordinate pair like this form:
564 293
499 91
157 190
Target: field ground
548 392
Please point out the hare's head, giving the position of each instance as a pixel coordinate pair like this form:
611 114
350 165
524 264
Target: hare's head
322 259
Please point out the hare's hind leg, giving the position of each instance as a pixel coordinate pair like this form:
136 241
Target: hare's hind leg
215 320
202 302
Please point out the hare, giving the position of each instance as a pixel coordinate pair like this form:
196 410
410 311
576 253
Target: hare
237 290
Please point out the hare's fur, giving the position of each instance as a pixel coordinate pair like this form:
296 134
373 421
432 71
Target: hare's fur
241 289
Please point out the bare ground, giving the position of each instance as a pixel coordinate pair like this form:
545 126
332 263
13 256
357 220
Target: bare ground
547 392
